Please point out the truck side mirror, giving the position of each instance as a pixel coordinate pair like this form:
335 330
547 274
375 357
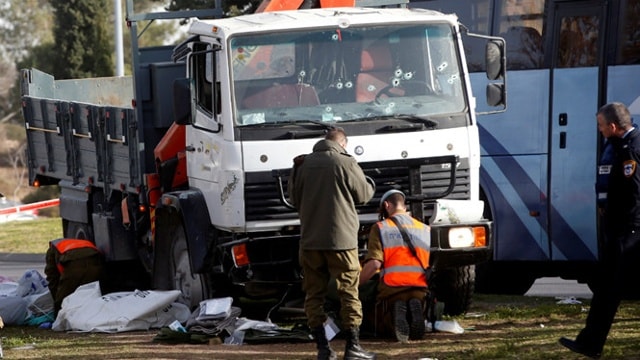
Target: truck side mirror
495 59
496 94
496 71
182 102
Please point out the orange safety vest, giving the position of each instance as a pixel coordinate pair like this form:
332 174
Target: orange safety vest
64 245
400 266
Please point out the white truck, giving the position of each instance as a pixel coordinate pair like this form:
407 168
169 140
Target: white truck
179 172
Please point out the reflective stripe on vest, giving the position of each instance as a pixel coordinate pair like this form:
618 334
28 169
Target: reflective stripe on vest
64 245
400 266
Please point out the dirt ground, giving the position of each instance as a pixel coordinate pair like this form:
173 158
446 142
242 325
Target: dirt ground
497 327
140 344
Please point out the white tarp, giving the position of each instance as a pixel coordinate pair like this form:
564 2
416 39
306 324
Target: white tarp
87 309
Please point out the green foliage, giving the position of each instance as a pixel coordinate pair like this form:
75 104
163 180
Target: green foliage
23 25
39 57
190 4
83 43
230 7
155 34
41 194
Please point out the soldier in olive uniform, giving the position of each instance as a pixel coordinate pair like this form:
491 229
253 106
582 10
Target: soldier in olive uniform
69 264
325 186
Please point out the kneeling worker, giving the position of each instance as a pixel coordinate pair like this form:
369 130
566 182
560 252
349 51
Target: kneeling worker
69 264
401 260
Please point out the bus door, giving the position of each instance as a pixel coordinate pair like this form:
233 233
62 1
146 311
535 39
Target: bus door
576 56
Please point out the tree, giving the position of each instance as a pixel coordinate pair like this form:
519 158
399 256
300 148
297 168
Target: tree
18 162
7 76
230 7
23 25
83 41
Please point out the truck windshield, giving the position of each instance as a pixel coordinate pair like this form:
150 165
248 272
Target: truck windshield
346 74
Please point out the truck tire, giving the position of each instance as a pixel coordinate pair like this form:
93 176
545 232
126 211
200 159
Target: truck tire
77 230
192 286
125 275
454 287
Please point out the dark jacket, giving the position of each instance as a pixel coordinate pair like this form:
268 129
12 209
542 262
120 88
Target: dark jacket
325 188
604 169
69 264
623 197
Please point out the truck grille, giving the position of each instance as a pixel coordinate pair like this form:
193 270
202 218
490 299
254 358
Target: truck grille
262 197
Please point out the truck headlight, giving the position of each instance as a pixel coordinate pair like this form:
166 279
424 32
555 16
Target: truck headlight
460 237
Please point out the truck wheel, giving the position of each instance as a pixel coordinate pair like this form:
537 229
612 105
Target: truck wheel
454 287
191 285
77 230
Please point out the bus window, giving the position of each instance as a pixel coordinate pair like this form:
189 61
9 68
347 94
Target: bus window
578 44
520 24
629 52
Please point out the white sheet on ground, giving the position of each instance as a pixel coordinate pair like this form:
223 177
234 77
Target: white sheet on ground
87 310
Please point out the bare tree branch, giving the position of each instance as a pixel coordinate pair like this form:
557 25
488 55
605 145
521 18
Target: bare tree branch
9 116
17 159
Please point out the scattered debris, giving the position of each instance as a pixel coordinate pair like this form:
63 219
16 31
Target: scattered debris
571 300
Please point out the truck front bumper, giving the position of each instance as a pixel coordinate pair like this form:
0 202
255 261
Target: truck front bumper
263 265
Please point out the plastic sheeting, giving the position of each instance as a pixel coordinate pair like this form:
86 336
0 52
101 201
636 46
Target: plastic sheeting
87 310
25 299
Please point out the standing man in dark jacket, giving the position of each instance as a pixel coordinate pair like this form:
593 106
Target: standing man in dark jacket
620 261
69 264
324 187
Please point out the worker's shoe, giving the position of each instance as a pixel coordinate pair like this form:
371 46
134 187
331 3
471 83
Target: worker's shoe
400 323
417 327
325 352
353 350
576 347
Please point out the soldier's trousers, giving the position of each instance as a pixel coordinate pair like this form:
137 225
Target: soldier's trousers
319 266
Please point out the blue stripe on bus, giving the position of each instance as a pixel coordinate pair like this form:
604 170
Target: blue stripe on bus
526 247
569 243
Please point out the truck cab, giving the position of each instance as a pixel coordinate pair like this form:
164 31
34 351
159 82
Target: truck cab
260 97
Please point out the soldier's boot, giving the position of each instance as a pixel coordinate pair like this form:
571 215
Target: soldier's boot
417 327
401 326
325 352
353 350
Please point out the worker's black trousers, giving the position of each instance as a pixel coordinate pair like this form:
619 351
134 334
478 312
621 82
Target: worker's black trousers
619 266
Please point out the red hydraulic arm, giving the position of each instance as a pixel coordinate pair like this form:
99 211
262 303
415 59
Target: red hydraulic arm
278 5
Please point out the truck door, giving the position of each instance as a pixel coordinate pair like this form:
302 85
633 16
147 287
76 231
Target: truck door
576 63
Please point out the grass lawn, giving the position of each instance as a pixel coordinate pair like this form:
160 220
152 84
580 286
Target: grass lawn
496 327
29 236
